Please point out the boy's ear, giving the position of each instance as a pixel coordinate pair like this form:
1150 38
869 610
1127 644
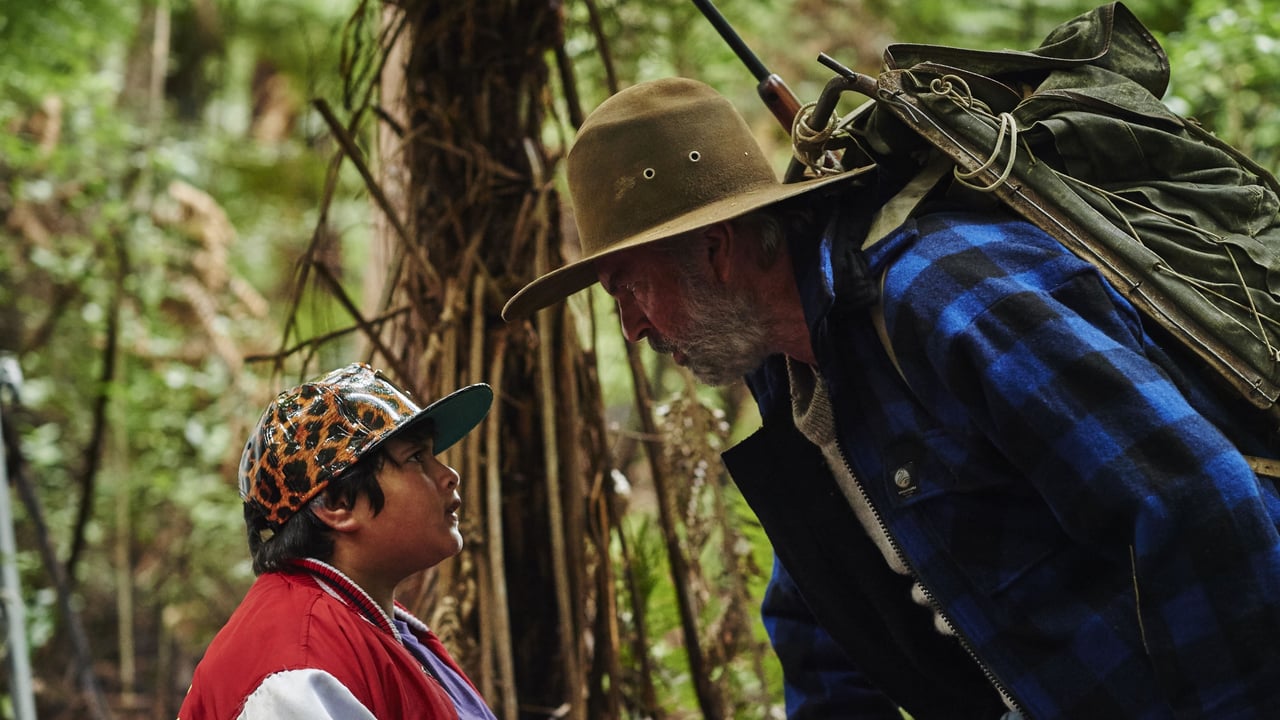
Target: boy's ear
338 514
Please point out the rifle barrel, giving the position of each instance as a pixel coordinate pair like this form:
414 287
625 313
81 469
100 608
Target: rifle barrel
771 88
722 26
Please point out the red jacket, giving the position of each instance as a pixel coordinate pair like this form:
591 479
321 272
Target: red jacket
289 622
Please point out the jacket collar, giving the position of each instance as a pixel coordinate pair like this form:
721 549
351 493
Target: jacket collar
333 581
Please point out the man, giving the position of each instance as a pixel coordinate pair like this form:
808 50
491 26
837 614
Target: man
990 492
344 498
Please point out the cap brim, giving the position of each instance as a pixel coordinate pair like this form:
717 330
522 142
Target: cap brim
454 415
580 274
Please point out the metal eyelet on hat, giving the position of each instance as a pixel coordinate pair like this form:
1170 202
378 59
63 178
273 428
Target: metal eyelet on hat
694 156
649 173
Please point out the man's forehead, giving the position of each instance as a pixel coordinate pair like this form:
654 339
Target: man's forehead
612 268
638 260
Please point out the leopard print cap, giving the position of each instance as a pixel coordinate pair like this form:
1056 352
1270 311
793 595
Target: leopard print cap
311 433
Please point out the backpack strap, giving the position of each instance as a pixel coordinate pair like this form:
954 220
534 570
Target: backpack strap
900 207
890 217
1264 467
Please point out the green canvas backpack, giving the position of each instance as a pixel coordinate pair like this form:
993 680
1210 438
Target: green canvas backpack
1073 136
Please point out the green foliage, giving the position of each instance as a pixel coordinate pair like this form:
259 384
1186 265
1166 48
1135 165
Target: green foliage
1226 73
1006 24
668 37
745 695
173 236
44 43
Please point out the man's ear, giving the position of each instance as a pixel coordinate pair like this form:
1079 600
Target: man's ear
722 241
338 514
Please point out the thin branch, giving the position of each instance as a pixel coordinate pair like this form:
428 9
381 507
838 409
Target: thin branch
319 340
551 406
472 447
556 523
356 156
82 655
707 698
602 44
369 330
62 299
497 560
97 434
307 260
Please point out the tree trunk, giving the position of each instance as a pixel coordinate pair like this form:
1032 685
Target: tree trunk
481 216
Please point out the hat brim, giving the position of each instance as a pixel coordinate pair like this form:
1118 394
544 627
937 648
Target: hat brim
455 415
569 279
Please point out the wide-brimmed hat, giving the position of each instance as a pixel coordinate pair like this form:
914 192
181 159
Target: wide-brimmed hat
310 434
656 160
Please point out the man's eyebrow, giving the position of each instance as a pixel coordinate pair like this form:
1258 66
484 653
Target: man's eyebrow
607 282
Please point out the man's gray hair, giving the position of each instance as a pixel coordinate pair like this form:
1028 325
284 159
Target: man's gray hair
768 227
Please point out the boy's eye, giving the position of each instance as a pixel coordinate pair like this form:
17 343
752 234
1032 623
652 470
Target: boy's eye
419 453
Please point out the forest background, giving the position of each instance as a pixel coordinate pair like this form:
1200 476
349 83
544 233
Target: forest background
204 201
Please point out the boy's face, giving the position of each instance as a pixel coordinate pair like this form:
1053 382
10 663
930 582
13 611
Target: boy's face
418 525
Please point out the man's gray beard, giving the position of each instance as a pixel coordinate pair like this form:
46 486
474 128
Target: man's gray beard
728 337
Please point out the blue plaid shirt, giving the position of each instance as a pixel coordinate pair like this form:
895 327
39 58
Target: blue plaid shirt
1060 484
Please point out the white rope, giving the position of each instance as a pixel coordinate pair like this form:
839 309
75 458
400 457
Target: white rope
1009 127
945 85
809 145
955 87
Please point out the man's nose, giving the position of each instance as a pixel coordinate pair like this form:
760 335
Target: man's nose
635 325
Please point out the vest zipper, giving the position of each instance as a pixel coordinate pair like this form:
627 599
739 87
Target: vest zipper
964 641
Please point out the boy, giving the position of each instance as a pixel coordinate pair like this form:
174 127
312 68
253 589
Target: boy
344 498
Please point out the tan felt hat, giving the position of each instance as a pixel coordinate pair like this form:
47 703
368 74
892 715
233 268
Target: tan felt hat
656 160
